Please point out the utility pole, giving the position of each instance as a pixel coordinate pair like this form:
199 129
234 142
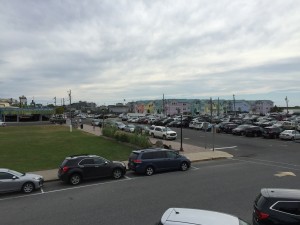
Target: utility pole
234 105
70 99
54 101
218 106
287 105
163 110
211 109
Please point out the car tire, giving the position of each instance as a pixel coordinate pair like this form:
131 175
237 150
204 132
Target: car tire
164 137
184 166
152 135
28 187
149 171
75 179
117 173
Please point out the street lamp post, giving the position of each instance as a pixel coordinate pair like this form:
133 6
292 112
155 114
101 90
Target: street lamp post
181 149
102 119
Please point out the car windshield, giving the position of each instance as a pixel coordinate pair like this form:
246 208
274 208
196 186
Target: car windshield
166 129
16 173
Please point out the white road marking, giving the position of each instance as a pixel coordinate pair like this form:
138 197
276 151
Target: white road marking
283 174
265 164
186 138
65 189
226 147
194 168
42 191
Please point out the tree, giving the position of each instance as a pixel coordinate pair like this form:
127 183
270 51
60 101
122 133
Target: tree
59 110
276 109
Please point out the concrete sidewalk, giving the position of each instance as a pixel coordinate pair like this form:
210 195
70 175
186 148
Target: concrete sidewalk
194 153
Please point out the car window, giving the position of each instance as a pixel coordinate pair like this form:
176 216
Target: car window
148 155
288 207
86 162
4 175
99 160
171 155
160 154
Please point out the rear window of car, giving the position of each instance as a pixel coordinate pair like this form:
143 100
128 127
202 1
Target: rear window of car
288 207
133 155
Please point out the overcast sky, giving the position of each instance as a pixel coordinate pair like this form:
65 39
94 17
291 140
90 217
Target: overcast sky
108 51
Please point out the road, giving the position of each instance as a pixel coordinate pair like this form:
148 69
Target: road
223 185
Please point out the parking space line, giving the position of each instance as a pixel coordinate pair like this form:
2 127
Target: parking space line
42 191
64 189
226 147
194 168
266 164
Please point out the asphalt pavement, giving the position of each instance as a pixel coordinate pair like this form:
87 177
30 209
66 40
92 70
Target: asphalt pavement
193 152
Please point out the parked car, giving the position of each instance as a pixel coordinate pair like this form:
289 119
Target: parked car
129 128
11 181
96 122
253 131
240 130
120 125
184 216
76 168
229 127
289 135
271 132
150 161
163 132
277 207
2 124
220 126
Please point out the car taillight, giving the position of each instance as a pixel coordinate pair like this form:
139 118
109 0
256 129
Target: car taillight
65 168
137 161
261 215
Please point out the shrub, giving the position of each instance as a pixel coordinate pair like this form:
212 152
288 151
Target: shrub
139 140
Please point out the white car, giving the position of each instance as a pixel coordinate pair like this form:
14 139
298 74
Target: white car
182 216
289 135
2 124
163 132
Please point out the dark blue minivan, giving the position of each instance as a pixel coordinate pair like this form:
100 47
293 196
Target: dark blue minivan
149 161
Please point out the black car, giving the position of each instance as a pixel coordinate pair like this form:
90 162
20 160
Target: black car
240 130
277 207
253 131
227 128
272 132
76 168
149 161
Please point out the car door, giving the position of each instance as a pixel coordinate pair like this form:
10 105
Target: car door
9 182
173 161
102 167
88 168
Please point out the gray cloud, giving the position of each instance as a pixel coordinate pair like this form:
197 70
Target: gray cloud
106 51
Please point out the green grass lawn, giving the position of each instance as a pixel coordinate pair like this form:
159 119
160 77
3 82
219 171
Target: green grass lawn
32 148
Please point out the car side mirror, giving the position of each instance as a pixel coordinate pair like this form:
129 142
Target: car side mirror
105 162
14 177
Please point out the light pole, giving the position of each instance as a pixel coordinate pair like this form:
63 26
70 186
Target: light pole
102 119
181 149
287 105
234 105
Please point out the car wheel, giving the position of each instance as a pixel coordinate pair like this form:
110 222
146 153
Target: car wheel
28 187
117 173
293 138
184 166
149 171
75 179
164 137
152 135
